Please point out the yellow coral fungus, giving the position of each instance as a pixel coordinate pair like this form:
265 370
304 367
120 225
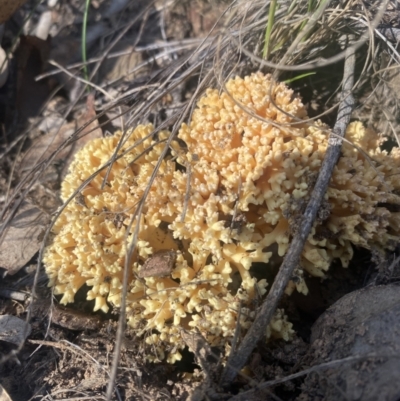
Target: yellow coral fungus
90 243
272 167
237 197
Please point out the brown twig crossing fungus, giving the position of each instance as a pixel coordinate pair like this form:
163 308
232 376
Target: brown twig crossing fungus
250 167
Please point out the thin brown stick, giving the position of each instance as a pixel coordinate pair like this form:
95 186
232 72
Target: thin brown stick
291 260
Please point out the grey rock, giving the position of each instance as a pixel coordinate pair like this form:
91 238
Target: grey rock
364 324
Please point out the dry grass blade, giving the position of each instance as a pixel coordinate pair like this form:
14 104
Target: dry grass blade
291 260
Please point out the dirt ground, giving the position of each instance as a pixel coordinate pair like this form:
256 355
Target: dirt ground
68 351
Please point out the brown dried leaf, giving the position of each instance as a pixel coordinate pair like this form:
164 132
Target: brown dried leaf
121 68
23 238
160 264
93 130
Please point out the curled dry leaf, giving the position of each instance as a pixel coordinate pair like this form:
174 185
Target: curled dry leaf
23 238
13 329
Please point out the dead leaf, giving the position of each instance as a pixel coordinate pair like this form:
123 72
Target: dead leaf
13 329
93 130
160 264
23 238
120 68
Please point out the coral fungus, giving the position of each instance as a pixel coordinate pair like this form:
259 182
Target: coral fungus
250 162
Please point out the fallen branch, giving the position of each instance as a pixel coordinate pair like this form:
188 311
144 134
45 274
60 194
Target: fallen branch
291 260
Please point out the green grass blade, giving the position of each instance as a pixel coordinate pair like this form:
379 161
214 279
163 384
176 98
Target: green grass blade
301 76
270 24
